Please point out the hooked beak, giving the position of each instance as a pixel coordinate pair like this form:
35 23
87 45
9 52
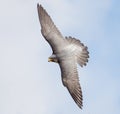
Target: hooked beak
50 60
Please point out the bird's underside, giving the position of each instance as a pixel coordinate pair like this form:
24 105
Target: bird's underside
67 52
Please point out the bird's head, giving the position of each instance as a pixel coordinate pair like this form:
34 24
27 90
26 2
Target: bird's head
53 58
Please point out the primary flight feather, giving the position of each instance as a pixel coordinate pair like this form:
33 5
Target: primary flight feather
67 52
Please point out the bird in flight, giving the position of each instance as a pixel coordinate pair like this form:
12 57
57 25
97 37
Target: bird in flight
67 52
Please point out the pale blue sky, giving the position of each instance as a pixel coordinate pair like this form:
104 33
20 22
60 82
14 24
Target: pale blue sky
29 84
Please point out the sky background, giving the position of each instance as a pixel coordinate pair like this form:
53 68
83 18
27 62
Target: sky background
29 84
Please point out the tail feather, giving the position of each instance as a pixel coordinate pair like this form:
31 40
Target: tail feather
81 52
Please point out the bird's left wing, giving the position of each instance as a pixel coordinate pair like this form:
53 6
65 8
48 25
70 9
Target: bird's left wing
70 78
49 30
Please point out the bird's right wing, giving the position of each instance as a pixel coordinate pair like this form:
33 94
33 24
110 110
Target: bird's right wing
70 78
49 30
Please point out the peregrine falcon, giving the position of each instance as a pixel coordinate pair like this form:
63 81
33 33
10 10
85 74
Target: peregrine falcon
67 52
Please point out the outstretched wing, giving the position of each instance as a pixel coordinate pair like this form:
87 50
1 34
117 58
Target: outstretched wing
49 30
70 78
